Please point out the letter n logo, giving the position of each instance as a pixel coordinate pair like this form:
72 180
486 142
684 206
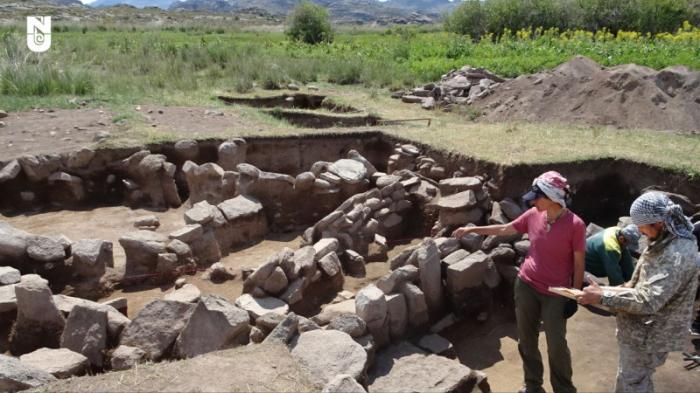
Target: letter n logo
39 33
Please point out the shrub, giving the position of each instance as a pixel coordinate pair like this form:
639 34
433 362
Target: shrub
309 23
477 18
469 18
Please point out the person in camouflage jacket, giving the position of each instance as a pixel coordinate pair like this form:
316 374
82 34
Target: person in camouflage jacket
654 315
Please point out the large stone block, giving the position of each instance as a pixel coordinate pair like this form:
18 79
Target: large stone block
39 322
92 257
370 305
156 327
405 368
142 249
418 316
86 333
61 362
257 307
328 353
214 324
398 314
16 376
467 273
391 282
430 274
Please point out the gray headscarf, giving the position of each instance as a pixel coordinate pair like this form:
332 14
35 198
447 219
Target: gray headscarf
652 207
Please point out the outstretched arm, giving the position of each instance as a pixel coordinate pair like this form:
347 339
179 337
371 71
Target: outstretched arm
497 230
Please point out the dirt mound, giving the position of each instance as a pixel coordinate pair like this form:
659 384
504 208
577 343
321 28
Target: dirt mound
258 368
582 91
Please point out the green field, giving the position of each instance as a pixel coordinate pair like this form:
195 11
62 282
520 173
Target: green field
116 66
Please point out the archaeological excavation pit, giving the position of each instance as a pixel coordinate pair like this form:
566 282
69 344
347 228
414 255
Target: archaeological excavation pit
331 244
320 120
294 101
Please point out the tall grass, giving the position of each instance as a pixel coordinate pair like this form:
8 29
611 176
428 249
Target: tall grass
23 73
128 66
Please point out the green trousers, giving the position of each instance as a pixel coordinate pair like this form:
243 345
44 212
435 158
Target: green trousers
532 308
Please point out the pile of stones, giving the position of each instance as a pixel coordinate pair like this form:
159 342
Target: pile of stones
210 232
58 336
457 87
408 157
288 273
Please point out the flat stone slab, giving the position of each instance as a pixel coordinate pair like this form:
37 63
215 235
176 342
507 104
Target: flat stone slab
348 170
331 311
15 375
59 362
459 184
434 343
461 201
328 353
406 368
187 294
258 307
240 206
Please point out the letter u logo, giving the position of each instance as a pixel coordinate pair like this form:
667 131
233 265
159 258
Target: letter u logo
38 33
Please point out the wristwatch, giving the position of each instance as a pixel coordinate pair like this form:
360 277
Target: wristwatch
607 295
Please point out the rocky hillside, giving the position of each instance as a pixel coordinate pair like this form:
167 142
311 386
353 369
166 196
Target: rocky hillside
345 11
13 12
164 4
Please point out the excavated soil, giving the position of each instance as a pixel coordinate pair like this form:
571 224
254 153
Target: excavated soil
582 91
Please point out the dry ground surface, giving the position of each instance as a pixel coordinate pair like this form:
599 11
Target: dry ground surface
505 142
492 347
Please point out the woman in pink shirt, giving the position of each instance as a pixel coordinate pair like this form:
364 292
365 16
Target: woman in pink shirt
555 259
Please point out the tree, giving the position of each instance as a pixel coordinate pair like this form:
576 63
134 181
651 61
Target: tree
309 23
469 18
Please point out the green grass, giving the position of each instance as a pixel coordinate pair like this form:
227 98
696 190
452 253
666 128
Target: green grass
144 65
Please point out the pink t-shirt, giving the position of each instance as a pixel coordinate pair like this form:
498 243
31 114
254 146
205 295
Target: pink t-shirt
550 261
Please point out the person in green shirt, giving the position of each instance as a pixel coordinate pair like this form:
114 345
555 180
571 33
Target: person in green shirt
608 253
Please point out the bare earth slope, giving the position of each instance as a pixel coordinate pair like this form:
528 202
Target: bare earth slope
582 91
258 368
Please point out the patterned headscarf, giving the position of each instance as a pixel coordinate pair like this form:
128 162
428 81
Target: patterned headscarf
652 207
554 186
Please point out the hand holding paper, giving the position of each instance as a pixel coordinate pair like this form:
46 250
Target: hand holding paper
590 294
